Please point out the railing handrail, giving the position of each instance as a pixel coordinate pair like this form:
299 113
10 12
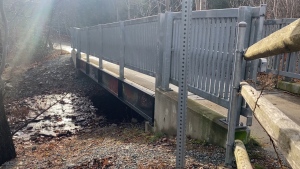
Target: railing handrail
283 131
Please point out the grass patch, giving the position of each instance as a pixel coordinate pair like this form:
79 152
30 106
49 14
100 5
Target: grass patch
199 142
256 155
258 166
252 144
155 137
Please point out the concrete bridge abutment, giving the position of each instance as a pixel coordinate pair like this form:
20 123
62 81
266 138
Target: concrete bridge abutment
202 123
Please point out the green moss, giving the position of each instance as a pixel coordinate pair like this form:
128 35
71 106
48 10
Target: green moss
199 142
203 111
258 166
154 138
242 135
288 86
252 144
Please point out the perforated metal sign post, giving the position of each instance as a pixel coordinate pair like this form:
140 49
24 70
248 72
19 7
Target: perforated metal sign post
182 93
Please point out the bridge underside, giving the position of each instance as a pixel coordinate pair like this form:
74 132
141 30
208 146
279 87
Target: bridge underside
137 97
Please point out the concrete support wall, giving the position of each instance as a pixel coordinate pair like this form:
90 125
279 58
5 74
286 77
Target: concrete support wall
73 56
202 122
288 86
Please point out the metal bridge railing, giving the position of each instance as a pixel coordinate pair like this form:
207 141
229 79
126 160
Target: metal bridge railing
287 64
151 45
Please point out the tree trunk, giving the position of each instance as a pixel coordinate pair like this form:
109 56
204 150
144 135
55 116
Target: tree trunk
7 148
128 10
167 5
198 6
48 41
158 6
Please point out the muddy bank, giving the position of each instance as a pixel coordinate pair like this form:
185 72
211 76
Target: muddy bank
51 99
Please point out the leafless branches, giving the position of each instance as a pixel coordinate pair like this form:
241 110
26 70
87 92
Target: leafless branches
276 9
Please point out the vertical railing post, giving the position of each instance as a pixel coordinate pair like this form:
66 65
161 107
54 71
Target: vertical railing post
245 15
73 46
160 50
186 18
87 45
234 97
122 51
262 13
167 45
88 51
73 40
78 54
100 47
72 37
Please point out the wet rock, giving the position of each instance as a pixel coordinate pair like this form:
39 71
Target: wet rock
88 130
8 85
61 125
62 102
70 165
64 133
47 133
33 137
47 117
29 128
80 119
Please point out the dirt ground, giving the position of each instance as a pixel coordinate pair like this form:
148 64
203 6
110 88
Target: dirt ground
61 119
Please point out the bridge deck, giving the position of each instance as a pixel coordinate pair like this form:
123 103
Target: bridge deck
289 104
148 82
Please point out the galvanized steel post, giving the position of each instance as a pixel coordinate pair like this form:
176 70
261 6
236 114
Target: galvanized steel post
72 37
245 15
122 51
87 46
160 50
262 13
234 106
78 54
167 45
182 93
72 32
100 47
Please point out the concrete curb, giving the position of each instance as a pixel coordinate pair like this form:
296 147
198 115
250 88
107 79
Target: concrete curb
288 86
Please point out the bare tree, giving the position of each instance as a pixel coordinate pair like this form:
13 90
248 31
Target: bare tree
167 5
197 2
128 9
7 148
158 6
276 9
200 4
